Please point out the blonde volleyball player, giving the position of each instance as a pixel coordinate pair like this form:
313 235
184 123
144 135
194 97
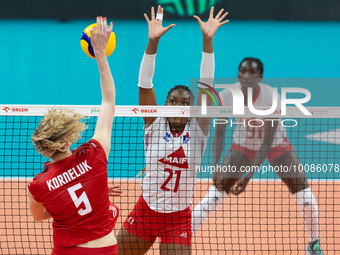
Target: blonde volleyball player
73 189
250 147
163 209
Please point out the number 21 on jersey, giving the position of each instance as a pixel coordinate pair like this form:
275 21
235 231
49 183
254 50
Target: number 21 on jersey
254 131
171 173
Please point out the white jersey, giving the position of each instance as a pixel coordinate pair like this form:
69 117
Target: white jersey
252 137
169 182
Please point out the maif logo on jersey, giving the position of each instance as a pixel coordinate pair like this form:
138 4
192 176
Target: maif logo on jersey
177 158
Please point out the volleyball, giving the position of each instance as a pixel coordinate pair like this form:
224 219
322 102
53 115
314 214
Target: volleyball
85 42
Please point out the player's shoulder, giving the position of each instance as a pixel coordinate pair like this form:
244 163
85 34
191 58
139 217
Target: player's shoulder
158 124
34 185
227 91
265 87
86 148
90 150
41 176
266 90
226 95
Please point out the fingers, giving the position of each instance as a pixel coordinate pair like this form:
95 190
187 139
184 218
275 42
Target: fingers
168 27
223 16
114 187
219 14
160 10
211 15
110 29
224 22
115 195
234 192
152 13
114 192
101 24
238 189
104 23
93 31
198 19
146 18
159 15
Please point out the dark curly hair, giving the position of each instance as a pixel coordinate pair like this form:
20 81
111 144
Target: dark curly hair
256 60
192 97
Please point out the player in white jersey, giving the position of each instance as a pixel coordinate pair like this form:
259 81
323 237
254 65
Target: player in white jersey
251 146
172 146
247 133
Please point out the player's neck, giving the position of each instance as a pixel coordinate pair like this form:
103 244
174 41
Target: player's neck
60 156
177 129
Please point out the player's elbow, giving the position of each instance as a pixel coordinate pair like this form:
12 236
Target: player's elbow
38 218
38 214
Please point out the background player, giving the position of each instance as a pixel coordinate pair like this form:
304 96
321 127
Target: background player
251 146
163 210
73 189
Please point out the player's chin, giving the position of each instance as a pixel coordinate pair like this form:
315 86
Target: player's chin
177 122
247 84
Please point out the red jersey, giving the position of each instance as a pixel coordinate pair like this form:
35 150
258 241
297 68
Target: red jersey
74 191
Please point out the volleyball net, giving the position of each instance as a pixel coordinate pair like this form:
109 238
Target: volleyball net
262 220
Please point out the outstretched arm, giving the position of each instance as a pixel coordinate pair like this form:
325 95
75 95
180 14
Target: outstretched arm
107 109
261 155
147 94
208 29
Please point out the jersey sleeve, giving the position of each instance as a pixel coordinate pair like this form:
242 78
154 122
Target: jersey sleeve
197 129
33 188
154 126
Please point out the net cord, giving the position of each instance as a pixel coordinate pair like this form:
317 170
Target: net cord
169 111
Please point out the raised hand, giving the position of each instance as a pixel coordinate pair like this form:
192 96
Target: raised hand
100 35
210 27
156 30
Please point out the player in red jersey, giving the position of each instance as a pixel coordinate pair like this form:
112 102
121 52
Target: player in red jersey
73 189
163 210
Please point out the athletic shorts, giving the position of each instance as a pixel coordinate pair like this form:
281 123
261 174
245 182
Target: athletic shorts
172 228
75 250
274 153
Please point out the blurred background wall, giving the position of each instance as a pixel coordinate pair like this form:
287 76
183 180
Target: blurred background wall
132 9
41 61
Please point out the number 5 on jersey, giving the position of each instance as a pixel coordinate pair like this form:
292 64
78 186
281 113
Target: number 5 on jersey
78 200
